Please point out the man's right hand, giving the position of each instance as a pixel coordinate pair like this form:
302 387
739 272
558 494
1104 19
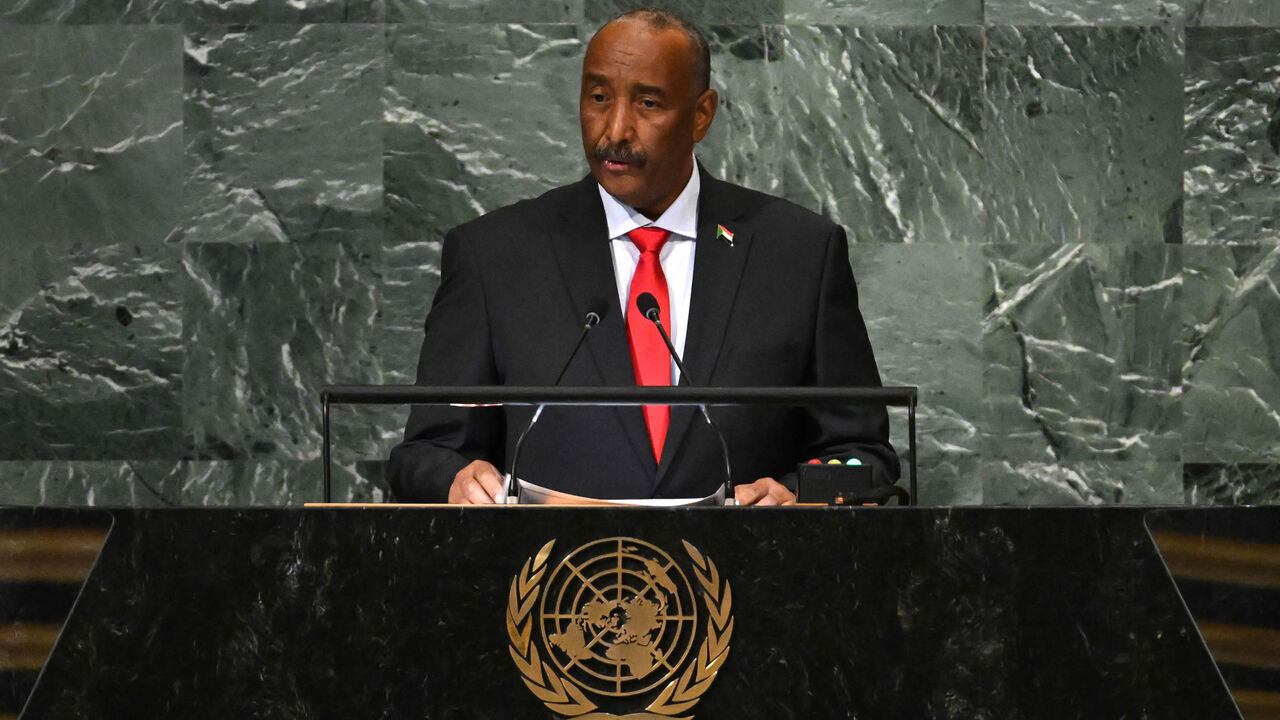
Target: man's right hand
476 484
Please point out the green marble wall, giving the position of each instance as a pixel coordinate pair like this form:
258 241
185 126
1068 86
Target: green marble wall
1066 218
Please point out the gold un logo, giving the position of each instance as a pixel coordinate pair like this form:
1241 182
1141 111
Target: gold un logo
618 623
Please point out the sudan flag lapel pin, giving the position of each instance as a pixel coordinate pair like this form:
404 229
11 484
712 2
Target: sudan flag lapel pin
723 233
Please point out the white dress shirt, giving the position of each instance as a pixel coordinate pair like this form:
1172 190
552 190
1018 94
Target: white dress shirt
676 256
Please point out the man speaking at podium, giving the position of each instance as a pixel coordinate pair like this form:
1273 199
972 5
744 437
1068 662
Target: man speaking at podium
755 291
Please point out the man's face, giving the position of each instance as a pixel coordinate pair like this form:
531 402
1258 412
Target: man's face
640 116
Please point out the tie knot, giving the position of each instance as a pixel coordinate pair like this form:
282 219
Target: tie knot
649 239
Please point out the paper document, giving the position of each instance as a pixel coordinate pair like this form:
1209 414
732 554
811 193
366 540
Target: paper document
531 494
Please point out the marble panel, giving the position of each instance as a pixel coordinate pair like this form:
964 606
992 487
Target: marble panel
476 117
1090 482
484 11
90 131
884 12
166 483
1084 353
1231 380
270 482
1083 12
87 12
131 483
1232 12
1079 124
266 327
90 154
1231 483
176 11
283 133
1232 178
885 130
746 143
923 308
702 12
91 366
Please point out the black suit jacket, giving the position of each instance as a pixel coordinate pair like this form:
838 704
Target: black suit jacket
777 307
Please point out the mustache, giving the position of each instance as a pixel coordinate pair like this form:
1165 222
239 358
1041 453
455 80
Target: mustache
619 153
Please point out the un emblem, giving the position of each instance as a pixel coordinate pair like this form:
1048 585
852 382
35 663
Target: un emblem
618 622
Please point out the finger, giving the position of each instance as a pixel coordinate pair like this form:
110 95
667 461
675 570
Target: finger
747 494
490 480
767 499
476 492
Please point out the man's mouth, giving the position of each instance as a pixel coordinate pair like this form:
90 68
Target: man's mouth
619 158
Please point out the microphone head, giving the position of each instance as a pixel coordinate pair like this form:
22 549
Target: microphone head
593 318
647 304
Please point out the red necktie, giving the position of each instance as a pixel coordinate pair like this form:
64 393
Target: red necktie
649 356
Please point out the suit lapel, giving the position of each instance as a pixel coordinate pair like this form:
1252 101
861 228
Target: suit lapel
717 273
586 265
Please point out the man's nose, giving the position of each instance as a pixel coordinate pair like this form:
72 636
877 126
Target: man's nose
621 124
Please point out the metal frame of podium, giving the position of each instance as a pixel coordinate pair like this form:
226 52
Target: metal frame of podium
495 395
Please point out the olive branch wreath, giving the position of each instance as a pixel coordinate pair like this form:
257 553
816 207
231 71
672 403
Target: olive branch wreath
564 697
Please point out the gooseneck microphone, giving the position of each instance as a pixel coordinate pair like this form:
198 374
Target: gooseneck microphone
592 319
647 304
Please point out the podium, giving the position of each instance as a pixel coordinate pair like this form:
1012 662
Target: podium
591 612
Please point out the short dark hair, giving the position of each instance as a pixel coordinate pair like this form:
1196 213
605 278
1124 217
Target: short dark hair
663 19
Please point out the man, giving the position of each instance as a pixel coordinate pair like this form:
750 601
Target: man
755 291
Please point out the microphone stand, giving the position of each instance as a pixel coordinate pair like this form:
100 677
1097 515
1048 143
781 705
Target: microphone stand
652 314
513 484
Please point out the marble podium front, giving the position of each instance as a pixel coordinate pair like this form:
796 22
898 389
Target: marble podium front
837 613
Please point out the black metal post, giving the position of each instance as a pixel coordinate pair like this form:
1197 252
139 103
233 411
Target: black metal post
328 487
911 449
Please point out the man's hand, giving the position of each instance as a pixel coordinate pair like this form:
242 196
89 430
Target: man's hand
476 484
765 491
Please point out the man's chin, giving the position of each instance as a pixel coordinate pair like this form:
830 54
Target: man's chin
624 189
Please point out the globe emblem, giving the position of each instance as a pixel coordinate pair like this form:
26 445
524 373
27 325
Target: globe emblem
618 616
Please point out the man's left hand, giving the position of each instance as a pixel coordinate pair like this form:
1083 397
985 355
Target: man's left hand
765 491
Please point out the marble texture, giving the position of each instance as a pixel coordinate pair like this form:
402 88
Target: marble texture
127 483
1082 12
483 11
885 130
748 142
1233 12
703 12
1083 353
952 614
210 209
884 12
448 156
1232 156
1085 482
283 134
1231 380
1231 483
176 11
90 133
266 327
186 483
933 341
1079 124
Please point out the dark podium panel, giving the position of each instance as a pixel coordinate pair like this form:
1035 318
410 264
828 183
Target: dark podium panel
804 613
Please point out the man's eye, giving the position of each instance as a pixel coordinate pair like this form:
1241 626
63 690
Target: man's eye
648 103
597 97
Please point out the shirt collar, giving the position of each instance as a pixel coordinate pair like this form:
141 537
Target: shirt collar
680 219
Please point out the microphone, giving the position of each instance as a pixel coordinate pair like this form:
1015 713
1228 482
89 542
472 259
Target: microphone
593 318
647 304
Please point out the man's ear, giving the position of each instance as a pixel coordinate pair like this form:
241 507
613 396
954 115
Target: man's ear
704 111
